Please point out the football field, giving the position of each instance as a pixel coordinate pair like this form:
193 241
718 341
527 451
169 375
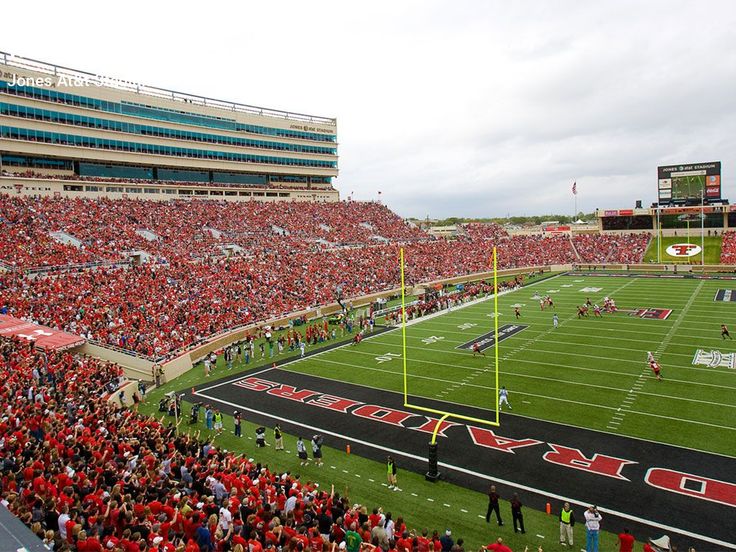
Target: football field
588 372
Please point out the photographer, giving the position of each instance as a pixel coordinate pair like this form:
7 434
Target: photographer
592 528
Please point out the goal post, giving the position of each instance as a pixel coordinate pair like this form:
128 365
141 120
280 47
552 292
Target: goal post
437 411
433 473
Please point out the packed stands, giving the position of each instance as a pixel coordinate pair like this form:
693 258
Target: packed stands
611 248
292 256
184 229
87 475
484 231
728 248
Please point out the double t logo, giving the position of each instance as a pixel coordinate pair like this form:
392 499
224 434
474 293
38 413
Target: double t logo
682 249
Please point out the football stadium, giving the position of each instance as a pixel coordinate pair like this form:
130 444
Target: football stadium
207 346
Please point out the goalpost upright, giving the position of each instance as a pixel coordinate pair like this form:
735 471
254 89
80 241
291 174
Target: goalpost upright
433 473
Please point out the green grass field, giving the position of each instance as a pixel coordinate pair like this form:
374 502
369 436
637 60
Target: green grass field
551 374
361 479
712 249
587 369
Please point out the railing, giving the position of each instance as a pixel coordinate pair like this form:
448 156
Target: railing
8 267
33 271
91 79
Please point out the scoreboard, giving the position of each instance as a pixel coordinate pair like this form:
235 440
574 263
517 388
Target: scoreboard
687 183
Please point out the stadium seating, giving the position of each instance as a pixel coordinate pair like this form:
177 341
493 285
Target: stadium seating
88 475
728 248
486 231
292 256
611 248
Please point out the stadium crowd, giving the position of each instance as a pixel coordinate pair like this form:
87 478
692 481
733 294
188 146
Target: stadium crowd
187 294
184 229
86 474
619 248
728 248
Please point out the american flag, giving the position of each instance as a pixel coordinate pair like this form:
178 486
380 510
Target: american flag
574 188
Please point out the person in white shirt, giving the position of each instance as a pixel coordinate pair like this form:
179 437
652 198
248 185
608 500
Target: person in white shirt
592 528
290 504
226 519
503 398
63 518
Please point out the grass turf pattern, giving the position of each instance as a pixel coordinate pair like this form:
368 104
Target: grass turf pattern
589 372
712 249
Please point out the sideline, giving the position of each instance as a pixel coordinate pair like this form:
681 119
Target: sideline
466 471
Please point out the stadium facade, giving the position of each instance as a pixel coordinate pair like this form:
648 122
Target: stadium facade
65 132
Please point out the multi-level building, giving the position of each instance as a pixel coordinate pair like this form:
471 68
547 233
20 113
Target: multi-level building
70 133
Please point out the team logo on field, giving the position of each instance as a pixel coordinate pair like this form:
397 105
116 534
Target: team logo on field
489 339
714 359
725 295
653 314
683 250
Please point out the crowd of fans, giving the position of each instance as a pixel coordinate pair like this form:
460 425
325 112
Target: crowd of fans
607 248
728 248
184 229
87 475
484 231
292 256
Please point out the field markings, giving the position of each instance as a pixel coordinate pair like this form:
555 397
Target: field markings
476 474
567 343
559 399
517 414
583 355
637 384
636 389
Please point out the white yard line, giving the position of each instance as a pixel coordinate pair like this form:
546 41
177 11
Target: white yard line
636 388
479 475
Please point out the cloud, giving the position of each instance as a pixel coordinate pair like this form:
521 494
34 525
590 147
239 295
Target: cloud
477 108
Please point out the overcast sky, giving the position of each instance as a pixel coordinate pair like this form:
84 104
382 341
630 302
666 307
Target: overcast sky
464 108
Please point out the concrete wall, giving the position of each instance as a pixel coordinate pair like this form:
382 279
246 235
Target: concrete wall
134 367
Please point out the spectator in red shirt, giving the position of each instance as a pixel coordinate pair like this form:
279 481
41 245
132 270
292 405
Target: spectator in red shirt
626 541
498 546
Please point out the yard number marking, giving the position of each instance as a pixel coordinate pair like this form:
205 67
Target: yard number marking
386 357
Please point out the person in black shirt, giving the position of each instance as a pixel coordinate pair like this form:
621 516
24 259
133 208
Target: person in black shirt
493 505
516 514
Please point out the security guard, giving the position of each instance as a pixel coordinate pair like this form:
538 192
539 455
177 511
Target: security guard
567 522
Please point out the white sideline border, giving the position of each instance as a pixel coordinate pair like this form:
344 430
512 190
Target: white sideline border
466 471
459 469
